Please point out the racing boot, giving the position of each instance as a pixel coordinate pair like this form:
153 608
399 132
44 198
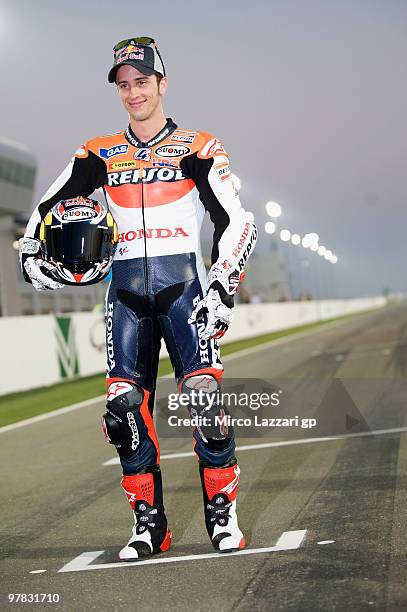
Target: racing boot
219 486
150 533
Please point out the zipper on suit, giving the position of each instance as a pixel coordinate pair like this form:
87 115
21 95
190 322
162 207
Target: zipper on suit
146 279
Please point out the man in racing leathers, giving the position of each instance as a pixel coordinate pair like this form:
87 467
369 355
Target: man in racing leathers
158 180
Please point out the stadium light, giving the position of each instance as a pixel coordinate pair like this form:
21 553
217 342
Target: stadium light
285 235
273 209
310 239
296 239
270 227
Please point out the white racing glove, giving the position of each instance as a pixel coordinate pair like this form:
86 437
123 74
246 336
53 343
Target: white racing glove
224 278
219 315
32 266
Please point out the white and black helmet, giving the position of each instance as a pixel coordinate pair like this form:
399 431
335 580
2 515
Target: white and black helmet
79 237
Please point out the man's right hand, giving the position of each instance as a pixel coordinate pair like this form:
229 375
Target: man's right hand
32 266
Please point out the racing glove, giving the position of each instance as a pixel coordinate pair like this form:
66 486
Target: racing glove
36 270
224 278
219 315
218 302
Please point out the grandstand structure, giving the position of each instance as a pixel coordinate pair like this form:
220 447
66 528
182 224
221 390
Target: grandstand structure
17 180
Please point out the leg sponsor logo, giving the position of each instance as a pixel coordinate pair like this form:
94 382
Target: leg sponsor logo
109 337
134 431
203 344
116 389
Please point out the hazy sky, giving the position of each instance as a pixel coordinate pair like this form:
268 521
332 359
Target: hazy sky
308 96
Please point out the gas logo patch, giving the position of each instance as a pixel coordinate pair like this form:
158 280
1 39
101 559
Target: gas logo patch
115 150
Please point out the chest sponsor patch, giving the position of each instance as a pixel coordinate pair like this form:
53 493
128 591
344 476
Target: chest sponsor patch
183 136
152 175
120 149
172 150
154 232
123 165
143 154
160 162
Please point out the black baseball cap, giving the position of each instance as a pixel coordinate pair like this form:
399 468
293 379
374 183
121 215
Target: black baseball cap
140 52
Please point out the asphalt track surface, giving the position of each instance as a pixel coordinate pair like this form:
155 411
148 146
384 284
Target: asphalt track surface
325 520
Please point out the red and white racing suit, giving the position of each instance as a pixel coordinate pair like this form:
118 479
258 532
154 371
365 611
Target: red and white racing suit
158 192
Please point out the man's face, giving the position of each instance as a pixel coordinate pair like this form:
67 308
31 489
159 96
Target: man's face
140 94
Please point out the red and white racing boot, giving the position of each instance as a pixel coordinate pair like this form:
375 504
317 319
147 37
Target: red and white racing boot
150 533
219 486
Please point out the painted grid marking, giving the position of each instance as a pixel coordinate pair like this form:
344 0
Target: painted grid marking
362 434
289 540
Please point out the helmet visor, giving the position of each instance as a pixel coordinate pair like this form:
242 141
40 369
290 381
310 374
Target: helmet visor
78 243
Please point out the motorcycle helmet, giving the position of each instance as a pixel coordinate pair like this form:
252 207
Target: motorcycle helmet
79 236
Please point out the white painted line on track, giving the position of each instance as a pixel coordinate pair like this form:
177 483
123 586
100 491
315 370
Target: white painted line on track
279 341
243 353
362 434
116 460
289 540
53 413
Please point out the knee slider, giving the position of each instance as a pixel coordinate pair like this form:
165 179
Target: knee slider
206 406
120 419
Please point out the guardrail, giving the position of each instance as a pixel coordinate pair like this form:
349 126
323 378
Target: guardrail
45 349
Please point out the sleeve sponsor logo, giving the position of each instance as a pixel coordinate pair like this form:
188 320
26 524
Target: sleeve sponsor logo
115 150
242 240
172 150
223 170
248 249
